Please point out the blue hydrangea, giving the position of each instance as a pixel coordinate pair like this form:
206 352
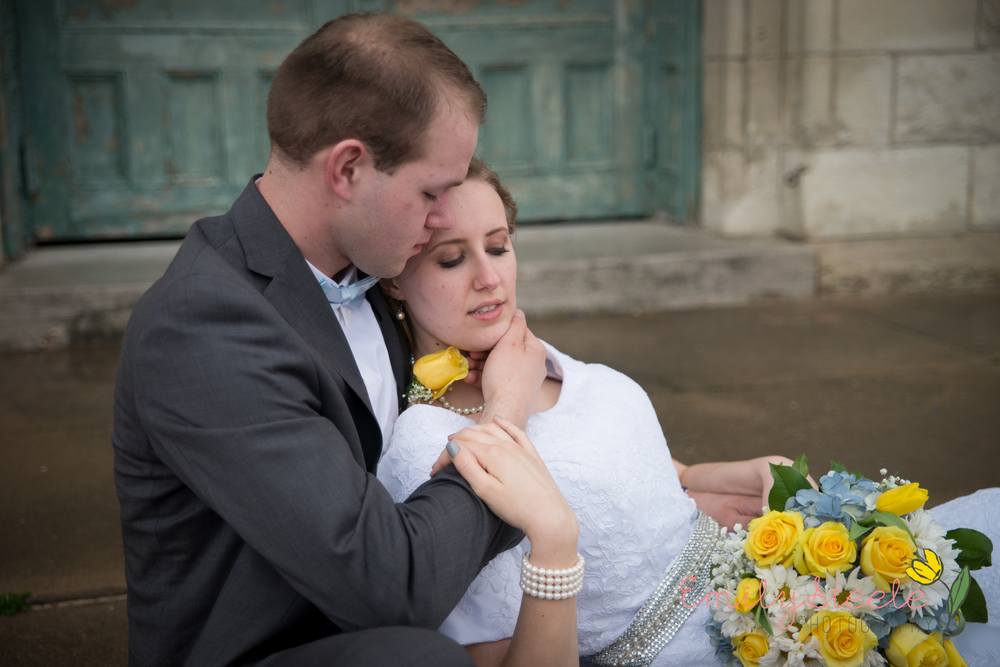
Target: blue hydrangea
841 496
936 620
723 646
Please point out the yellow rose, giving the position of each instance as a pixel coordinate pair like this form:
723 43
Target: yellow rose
909 646
885 555
955 658
773 537
747 594
751 647
825 550
844 641
902 500
438 370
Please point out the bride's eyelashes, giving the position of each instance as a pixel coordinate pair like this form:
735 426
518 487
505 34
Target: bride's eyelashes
452 263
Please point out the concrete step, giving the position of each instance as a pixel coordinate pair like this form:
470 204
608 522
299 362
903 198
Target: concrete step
61 294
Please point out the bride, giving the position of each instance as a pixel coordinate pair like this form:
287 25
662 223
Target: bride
599 437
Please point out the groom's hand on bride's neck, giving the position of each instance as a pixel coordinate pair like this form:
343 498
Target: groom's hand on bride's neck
477 360
513 374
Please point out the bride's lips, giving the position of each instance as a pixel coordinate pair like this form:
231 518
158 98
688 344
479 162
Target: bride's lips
489 315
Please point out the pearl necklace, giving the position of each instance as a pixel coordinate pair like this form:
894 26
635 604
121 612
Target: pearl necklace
461 411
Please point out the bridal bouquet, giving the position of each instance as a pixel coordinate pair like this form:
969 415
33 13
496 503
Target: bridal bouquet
854 574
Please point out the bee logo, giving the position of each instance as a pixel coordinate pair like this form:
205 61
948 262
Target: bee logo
925 570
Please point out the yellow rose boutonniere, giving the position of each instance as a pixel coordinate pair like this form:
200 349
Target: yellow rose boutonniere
751 647
909 646
438 370
825 550
773 537
844 641
885 555
902 500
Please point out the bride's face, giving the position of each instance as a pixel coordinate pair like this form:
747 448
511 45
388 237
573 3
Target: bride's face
460 289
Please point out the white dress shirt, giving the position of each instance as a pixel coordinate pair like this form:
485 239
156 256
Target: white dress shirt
370 354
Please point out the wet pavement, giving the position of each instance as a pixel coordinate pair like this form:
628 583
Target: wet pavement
912 385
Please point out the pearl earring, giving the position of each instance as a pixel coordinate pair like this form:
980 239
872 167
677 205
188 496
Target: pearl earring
400 315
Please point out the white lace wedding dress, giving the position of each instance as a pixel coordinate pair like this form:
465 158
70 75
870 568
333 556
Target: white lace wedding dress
604 446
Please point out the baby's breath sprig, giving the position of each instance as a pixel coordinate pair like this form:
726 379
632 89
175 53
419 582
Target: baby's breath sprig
890 481
730 562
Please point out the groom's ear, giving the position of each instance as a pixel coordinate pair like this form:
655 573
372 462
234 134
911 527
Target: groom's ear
346 165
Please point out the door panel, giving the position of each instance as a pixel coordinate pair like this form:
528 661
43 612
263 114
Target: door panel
142 116
555 129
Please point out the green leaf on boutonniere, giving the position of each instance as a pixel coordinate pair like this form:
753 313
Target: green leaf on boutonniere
787 482
801 466
974 606
748 575
760 615
976 548
837 467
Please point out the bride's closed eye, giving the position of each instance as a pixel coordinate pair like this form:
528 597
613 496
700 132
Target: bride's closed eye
452 263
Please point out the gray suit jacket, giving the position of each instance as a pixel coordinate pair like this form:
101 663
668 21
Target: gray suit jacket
245 448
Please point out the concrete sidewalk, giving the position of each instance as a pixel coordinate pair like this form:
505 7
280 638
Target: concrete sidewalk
910 384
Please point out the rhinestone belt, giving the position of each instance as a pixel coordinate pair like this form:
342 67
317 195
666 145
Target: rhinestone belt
664 612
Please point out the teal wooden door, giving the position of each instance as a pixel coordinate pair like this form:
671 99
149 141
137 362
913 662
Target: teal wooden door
142 116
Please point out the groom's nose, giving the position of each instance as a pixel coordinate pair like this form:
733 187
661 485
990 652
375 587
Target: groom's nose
439 216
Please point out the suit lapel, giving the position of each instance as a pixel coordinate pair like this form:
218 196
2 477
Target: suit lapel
294 291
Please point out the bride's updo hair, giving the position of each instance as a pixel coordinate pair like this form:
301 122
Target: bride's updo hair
479 170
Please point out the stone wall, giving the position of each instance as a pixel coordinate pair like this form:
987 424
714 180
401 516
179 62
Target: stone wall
848 119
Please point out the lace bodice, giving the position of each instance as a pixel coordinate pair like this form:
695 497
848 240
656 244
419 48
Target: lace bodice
604 446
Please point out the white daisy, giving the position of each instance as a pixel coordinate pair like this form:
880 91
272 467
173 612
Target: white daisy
734 623
840 593
929 534
785 594
798 652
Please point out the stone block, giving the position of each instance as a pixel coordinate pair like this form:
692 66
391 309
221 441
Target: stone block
815 122
986 186
906 25
948 98
724 29
810 26
951 264
722 97
740 273
764 118
740 192
989 24
864 90
855 192
765 28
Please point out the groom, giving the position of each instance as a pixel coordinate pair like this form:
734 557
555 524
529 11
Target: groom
258 381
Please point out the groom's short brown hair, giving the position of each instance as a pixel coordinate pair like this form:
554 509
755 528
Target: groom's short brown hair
377 78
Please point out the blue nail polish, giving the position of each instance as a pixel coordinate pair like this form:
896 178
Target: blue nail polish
453 448
498 416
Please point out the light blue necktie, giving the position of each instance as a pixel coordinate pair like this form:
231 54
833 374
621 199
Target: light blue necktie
350 295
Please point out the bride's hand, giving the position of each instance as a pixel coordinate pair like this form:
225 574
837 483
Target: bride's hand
503 468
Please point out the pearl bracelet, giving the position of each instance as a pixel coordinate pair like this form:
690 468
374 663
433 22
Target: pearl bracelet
547 584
